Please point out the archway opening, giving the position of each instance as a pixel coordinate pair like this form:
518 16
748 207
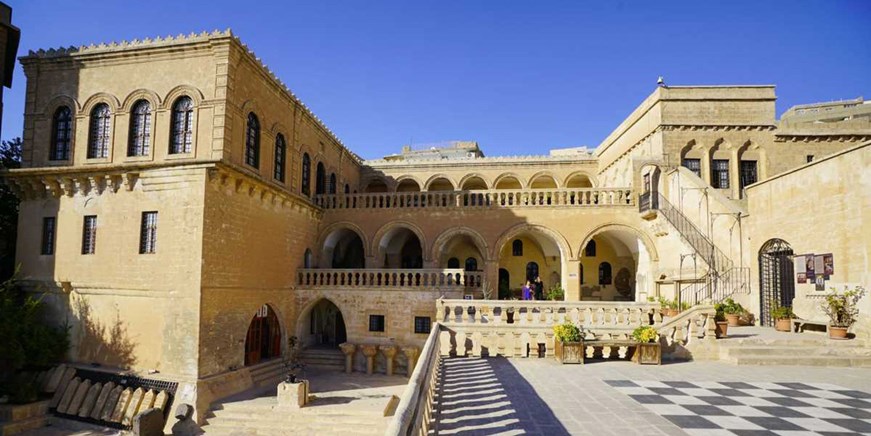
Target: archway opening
508 182
617 266
776 278
440 184
543 182
526 256
408 185
401 248
474 183
461 247
579 181
263 341
322 326
375 185
343 248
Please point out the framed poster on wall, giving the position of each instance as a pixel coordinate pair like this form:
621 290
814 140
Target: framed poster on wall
818 265
828 265
809 267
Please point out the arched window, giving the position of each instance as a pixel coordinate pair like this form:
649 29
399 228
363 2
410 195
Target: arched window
61 134
182 129
581 272
531 271
307 258
101 131
604 273
140 129
252 141
471 264
453 262
347 189
590 250
517 247
306 174
280 153
321 179
332 189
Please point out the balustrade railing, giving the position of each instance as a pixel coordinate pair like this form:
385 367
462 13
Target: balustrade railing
414 414
390 278
581 197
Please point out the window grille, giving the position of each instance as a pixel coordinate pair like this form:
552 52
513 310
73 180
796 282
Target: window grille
332 186
181 133
306 174
89 234
148 233
517 248
280 153
749 173
376 323
422 324
101 131
531 271
694 165
48 230
140 129
321 179
61 135
252 141
720 173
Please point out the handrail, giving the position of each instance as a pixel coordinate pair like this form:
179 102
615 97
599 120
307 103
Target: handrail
491 198
385 277
734 281
415 406
686 325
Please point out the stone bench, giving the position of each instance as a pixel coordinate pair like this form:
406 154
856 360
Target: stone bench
799 324
622 346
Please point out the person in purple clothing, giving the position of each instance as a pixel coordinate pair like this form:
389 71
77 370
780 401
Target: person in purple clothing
527 291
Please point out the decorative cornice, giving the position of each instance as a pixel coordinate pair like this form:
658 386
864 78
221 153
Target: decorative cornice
382 163
232 180
822 137
717 127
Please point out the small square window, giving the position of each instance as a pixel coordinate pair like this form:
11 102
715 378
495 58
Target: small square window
422 324
809 158
376 323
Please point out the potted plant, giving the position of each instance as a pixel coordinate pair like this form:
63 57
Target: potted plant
842 310
733 312
569 344
648 351
782 318
556 293
722 328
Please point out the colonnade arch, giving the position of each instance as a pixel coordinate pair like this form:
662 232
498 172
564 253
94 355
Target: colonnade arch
621 266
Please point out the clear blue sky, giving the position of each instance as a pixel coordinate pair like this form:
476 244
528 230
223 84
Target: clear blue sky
518 77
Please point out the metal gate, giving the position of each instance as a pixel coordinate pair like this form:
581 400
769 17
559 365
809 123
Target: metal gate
776 278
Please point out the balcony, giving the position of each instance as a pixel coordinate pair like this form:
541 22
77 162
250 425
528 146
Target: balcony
424 279
494 198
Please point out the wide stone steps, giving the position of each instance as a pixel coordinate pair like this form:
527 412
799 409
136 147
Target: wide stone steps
323 358
268 374
261 417
799 351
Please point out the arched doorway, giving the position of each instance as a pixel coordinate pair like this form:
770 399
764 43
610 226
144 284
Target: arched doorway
324 326
618 265
776 275
504 284
263 341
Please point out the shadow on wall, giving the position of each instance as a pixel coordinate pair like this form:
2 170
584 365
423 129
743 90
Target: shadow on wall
490 394
97 342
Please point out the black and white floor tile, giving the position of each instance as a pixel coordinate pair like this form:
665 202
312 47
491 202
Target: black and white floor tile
757 408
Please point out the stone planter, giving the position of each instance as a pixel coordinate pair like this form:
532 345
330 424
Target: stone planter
783 325
722 329
733 319
293 395
569 352
17 418
838 332
648 353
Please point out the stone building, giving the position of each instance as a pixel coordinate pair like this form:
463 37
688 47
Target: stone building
186 214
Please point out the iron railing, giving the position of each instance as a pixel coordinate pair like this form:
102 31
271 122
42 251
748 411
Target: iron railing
716 287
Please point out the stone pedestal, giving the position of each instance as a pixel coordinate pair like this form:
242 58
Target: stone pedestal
411 355
369 351
349 350
293 395
389 353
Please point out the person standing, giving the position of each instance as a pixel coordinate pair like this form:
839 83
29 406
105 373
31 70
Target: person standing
527 291
539 288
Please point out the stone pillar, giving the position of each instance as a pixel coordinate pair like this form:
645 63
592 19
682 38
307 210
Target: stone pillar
349 349
389 353
573 280
491 278
293 395
411 355
369 351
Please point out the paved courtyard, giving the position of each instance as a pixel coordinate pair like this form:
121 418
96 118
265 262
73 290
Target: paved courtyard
541 396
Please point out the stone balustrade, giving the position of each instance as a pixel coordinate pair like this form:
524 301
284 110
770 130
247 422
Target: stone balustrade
493 198
390 278
370 352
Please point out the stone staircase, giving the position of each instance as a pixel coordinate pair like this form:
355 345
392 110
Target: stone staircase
325 358
268 374
804 351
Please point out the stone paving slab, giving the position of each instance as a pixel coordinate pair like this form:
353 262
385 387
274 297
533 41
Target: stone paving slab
541 396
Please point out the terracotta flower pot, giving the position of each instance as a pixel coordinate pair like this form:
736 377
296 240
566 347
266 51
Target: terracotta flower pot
837 332
722 329
733 319
783 325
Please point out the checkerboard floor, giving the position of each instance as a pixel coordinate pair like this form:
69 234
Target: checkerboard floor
739 408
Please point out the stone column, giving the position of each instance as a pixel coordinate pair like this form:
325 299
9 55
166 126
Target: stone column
369 351
389 353
349 349
491 277
573 280
411 355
